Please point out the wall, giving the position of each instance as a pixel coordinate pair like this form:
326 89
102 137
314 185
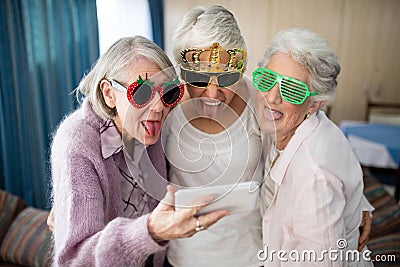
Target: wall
364 33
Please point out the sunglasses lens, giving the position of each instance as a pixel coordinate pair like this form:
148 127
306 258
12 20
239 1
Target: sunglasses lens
142 94
267 81
171 94
293 92
228 79
197 79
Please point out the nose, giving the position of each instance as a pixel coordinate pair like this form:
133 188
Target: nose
273 96
212 89
156 104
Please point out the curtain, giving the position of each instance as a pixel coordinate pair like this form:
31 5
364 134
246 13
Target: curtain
157 20
46 47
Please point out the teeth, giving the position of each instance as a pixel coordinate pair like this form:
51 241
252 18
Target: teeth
212 103
272 111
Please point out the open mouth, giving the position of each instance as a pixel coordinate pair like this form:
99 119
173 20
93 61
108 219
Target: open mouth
212 103
272 114
210 108
152 127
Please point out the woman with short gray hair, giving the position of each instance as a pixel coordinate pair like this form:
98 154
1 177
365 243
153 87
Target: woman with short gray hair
317 204
314 53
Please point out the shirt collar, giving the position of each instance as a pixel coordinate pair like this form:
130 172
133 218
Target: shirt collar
111 142
282 163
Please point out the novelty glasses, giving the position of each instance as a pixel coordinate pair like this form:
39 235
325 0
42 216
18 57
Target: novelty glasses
203 79
292 91
141 92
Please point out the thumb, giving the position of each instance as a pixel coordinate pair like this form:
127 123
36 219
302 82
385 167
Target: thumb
168 202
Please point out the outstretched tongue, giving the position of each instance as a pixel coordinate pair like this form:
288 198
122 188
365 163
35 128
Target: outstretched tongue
152 127
272 114
210 109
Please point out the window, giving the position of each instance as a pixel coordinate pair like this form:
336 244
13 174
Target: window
120 18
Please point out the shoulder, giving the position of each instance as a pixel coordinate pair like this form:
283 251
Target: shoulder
328 154
327 143
79 131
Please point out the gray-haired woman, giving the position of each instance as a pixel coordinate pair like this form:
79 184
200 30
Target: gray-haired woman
213 137
318 201
108 167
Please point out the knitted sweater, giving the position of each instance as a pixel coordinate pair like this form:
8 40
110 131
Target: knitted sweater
89 228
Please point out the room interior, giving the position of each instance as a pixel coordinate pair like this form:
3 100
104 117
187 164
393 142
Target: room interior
364 33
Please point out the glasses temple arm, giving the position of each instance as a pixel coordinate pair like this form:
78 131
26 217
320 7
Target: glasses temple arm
117 85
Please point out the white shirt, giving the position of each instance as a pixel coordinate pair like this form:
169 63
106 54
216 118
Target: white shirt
198 158
318 195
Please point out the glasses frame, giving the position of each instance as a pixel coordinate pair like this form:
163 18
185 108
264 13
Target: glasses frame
210 75
130 90
257 83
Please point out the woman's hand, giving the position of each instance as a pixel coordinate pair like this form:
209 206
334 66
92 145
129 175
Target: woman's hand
365 228
166 223
50 220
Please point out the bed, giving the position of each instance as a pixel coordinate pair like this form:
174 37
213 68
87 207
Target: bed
376 141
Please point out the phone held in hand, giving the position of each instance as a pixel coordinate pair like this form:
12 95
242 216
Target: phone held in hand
237 198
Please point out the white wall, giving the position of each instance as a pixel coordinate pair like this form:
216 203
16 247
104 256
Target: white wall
364 33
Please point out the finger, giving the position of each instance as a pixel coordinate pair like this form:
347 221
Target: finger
362 244
365 216
170 195
50 220
209 219
192 209
368 221
364 236
202 201
167 203
366 230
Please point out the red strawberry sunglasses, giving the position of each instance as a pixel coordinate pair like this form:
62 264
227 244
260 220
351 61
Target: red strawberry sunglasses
141 92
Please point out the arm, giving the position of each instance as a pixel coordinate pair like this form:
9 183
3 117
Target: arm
82 232
122 241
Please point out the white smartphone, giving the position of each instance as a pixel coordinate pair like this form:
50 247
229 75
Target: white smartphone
237 198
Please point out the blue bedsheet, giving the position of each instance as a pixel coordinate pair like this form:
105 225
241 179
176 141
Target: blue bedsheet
387 135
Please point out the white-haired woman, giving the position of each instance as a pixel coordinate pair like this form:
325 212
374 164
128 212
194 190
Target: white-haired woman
213 138
318 183
108 167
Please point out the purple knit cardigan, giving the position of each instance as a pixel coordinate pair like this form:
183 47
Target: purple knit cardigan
89 228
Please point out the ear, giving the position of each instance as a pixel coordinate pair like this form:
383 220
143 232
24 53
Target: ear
108 93
315 106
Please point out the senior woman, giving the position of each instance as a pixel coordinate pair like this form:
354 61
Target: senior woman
318 198
108 165
213 138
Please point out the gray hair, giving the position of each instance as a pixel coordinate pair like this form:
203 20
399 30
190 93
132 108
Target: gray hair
203 26
115 63
312 51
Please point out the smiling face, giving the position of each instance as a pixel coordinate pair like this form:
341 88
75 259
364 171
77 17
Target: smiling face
275 114
143 124
213 99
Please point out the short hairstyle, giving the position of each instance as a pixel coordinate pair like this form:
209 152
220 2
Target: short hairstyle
203 26
115 64
312 51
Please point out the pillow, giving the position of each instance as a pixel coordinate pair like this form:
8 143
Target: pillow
10 206
386 216
28 240
386 245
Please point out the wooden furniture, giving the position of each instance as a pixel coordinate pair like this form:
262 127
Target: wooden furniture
371 106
